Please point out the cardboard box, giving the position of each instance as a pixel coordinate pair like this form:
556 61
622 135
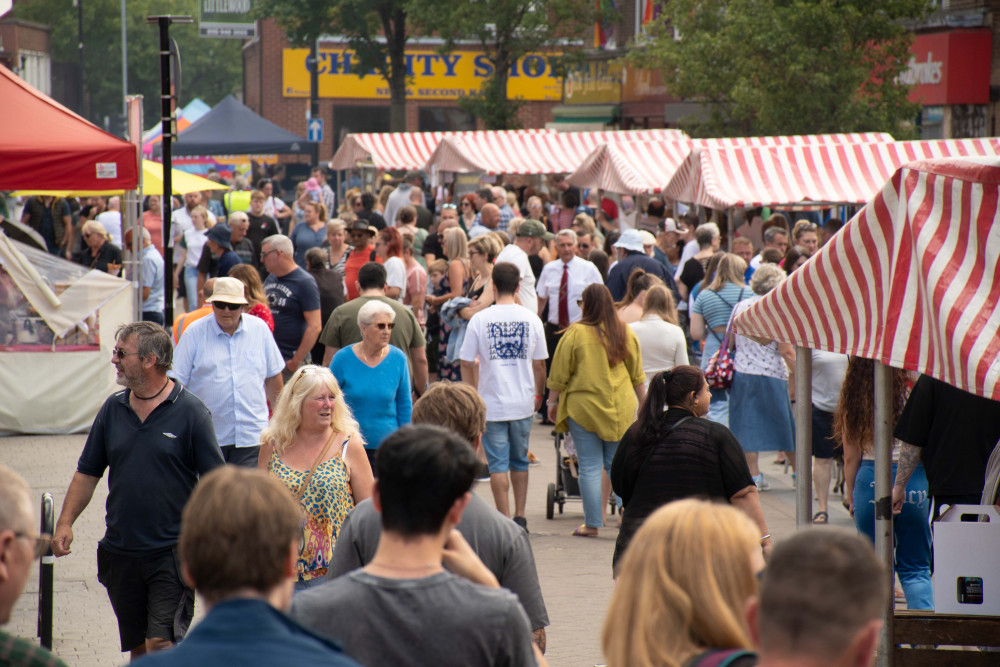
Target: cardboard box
966 566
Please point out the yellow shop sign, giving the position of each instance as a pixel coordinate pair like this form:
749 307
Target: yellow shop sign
432 76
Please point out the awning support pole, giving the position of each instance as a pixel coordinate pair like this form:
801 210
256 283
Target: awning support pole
883 499
803 437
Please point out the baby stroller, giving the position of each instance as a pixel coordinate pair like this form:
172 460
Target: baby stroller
567 484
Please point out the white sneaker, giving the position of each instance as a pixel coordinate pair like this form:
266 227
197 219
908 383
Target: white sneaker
761 483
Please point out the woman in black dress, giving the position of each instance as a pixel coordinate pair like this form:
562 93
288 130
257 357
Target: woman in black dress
672 452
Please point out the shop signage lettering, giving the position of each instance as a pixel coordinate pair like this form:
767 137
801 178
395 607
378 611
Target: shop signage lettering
431 75
925 73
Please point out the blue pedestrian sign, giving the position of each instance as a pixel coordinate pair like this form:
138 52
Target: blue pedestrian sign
316 130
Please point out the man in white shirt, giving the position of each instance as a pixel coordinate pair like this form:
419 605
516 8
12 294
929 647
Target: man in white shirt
509 342
231 362
774 237
112 220
180 219
400 197
563 282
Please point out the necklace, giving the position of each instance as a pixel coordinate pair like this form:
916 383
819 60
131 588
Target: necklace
149 398
365 358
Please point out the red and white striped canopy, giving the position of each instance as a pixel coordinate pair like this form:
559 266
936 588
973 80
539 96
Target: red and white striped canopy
551 153
638 167
720 176
401 150
911 281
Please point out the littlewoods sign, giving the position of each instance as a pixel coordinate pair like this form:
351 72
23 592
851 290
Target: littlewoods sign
226 18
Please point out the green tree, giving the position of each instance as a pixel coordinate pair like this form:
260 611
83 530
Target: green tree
508 30
364 23
211 68
764 67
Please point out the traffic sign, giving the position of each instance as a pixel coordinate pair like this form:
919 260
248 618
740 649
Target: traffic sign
316 130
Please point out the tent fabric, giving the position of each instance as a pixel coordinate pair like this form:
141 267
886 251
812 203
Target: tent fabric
152 184
232 128
723 176
44 145
543 153
191 112
401 150
646 166
911 281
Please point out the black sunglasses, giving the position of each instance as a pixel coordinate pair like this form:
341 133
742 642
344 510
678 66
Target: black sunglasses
227 306
382 326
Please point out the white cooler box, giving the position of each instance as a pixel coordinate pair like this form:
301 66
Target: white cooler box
967 561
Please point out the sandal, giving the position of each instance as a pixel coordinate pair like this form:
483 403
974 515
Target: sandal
821 517
582 531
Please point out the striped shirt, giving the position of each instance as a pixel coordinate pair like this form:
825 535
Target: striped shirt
228 373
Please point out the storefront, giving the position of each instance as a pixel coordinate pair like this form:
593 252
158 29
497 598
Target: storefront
950 75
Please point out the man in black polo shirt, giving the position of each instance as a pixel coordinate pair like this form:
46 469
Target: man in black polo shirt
157 438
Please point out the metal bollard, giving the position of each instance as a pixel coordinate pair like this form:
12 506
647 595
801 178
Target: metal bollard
45 575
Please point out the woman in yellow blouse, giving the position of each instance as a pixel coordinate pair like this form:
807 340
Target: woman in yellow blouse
595 384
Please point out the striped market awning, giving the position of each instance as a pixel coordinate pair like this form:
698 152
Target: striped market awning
721 176
402 150
541 153
635 167
911 281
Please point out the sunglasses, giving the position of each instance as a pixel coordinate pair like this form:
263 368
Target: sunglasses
120 353
41 542
382 326
447 206
227 306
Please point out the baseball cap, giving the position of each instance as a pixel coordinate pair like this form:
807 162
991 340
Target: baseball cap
631 239
221 234
227 290
647 238
670 225
534 229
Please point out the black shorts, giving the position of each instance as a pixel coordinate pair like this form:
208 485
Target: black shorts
824 446
147 594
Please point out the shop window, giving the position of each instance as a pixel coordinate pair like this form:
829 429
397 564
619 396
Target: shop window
351 119
444 119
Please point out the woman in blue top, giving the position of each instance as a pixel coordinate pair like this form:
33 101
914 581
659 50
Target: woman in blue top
310 233
709 316
375 377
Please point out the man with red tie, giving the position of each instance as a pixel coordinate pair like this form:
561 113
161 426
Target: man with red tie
563 282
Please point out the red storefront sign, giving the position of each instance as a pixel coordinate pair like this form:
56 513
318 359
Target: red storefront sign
950 68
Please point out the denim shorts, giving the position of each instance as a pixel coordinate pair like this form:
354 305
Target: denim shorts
506 445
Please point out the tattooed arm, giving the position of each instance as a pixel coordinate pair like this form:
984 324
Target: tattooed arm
909 457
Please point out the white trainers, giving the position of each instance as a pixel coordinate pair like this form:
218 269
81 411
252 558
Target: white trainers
761 483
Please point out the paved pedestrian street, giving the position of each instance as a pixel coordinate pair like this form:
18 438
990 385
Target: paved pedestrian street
575 572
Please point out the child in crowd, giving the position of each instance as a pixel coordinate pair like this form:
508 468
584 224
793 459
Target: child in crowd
436 271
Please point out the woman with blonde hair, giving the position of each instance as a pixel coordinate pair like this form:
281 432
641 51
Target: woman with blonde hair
310 233
710 316
97 251
685 582
454 284
336 247
190 242
660 338
314 447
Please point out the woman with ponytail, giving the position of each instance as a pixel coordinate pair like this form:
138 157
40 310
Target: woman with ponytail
673 452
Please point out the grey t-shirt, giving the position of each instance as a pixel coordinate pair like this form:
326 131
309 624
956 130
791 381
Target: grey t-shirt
500 543
439 620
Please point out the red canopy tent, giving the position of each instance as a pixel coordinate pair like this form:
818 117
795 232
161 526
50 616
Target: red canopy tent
911 281
45 146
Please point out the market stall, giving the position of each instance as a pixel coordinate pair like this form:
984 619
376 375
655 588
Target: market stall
57 325
911 282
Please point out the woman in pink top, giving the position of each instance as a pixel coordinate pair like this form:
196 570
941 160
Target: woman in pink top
416 278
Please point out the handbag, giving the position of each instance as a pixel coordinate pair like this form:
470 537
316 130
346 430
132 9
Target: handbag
720 367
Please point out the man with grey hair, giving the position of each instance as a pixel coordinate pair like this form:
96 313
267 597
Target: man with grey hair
150 278
293 297
156 438
563 282
821 601
20 545
774 237
506 212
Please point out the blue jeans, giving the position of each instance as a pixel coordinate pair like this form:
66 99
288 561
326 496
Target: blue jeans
911 531
593 454
191 286
506 445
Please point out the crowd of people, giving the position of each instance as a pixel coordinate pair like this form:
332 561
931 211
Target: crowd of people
371 361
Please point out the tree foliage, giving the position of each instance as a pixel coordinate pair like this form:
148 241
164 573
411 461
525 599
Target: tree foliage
211 68
507 30
767 67
364 23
